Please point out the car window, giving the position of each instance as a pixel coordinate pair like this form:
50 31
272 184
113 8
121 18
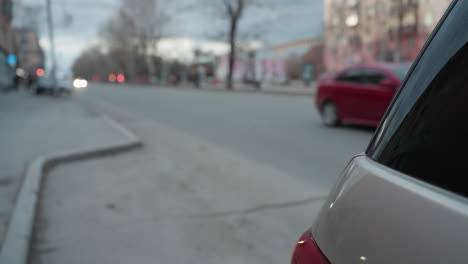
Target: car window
353 76
373 77
425 133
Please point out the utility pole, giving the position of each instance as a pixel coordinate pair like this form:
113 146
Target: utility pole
50 25
382 14
397 32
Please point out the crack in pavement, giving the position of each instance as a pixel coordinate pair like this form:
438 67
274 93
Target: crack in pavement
264 207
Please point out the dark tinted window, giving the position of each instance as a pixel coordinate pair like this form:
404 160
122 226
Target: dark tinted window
373 77
353 75
362 76
425 134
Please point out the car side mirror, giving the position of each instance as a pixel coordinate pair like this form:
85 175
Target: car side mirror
389 83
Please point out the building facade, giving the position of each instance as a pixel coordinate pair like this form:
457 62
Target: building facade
7 44
302 58
367 31
30 54
295 60
7 41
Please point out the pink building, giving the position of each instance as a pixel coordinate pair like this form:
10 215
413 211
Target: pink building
366 31
276 63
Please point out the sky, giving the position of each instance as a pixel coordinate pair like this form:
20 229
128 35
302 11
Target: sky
278 21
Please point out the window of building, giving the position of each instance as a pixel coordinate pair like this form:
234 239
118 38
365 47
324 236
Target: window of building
352 3
409 19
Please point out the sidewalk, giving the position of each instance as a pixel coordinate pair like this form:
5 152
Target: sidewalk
178 200
34 126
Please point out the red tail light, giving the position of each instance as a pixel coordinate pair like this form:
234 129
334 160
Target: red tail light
308 252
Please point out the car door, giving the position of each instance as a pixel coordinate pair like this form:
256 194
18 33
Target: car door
347 94
373 98
4 74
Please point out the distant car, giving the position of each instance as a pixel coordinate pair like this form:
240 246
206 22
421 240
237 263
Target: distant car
405 200
44 85
80 83
64 87
359 94
48 85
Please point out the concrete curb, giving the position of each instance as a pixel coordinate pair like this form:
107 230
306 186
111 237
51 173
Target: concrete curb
18 237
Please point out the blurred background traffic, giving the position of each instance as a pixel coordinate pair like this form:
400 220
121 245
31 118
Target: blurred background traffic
250 42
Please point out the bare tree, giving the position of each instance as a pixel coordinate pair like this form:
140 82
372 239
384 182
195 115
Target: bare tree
399 9
92 62
118 33
135 31
129 44
150 19
27 16
232 11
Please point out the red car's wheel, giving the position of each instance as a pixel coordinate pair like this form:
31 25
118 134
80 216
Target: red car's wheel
329 114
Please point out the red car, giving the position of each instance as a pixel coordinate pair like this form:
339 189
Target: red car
359 94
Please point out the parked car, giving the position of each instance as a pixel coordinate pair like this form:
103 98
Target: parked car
46 84
406 199
359 94
64 87
43 84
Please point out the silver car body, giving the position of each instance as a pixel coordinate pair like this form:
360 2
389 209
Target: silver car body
65 86
377 215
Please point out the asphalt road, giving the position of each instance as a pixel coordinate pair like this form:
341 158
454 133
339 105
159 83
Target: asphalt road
284 132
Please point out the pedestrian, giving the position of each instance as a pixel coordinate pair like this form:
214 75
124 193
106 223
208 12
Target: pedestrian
196 77
16 81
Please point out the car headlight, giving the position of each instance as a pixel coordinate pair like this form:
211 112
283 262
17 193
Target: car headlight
80 83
